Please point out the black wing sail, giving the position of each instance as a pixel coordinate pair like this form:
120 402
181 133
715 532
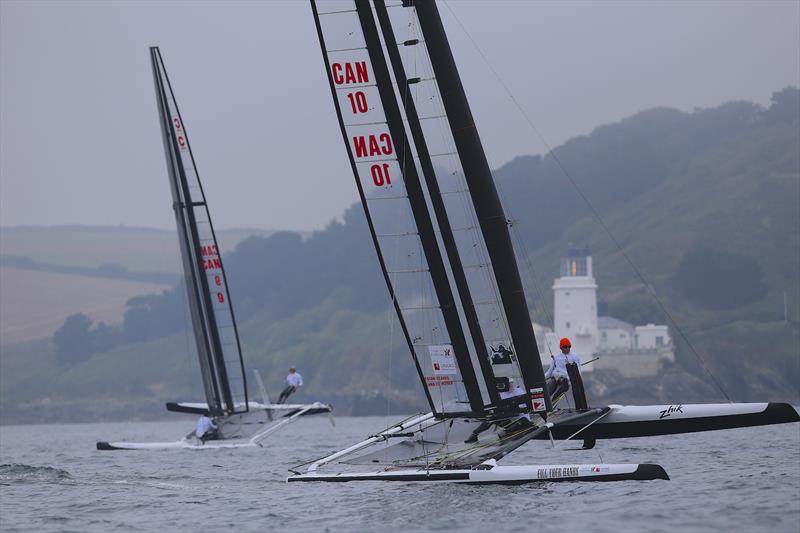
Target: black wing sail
396 207
437 105
214 325
460 197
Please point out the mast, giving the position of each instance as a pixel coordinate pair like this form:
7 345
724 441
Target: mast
214 325
491 217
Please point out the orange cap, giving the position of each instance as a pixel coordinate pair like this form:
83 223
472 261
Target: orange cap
564 343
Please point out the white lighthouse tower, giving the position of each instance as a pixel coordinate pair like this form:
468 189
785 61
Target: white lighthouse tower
575 295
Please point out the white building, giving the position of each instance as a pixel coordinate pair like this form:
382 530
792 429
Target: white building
633 350
575 305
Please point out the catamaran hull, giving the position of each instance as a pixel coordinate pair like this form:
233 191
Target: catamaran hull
174 445
231 428
623 421
508 475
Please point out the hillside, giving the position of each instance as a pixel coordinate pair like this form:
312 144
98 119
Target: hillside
136 249
35 304
50 272
706 205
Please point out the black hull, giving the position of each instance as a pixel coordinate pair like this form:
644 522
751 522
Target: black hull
609 428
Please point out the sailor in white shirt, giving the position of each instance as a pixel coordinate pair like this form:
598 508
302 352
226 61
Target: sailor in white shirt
295 381
206 429
557 376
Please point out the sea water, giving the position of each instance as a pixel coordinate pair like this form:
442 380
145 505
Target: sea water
53 479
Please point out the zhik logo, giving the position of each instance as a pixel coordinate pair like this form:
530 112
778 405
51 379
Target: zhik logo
671 409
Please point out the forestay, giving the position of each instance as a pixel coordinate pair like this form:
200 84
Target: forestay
213 321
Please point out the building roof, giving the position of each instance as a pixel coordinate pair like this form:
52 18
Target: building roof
607 322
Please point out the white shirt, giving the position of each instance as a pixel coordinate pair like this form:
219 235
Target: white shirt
203 425
559 367
294 379
516 391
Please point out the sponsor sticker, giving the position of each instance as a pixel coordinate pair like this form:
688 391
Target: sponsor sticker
557 472
672 409
537 400
502 354
443 360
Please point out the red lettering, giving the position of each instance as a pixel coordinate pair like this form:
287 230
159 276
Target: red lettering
361 72
374 149
217 281
181 142
353 73
177 123
380 175
220 298
360 145
336 69
358 101
377 146
217 263
209 251
349 75
387 143
437 381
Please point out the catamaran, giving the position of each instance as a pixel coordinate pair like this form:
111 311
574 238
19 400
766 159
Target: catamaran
240 421
443 244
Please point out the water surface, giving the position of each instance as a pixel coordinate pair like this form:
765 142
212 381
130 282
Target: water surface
52 479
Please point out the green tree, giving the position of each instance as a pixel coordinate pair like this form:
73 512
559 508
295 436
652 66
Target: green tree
719 279
73 340
785 106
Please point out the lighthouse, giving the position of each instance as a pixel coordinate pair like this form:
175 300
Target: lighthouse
575 305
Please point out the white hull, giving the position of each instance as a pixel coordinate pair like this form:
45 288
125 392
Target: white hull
261 429
177 445
503 474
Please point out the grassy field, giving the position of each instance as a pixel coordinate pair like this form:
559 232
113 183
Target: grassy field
33 305
138 249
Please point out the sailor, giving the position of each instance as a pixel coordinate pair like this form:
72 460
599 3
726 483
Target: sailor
557 376
294 381
206 429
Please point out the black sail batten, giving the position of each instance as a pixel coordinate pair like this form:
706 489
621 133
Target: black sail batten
370 223
489 210
445 229
419 207
211 350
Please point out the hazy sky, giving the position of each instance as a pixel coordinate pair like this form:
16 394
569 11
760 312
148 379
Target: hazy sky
79 136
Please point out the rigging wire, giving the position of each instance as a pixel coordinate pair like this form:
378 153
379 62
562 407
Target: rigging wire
591 207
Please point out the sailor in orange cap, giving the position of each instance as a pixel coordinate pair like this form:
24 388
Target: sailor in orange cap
557 376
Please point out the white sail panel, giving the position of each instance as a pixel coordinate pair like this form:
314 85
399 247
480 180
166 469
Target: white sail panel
328 7
381 181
